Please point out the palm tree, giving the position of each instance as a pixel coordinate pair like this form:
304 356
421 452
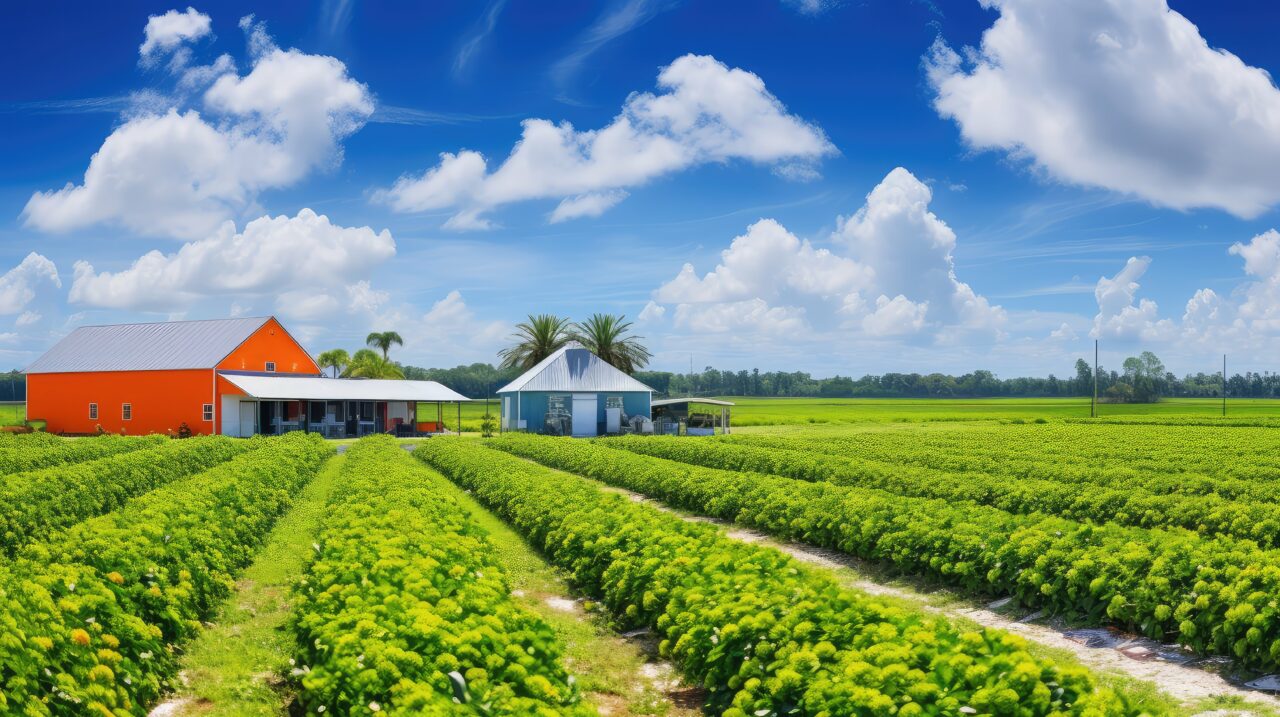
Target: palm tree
336 359
606 336
383 340
368 364
536 339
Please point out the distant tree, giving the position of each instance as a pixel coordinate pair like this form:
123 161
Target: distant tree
336 359
607 336
384 340
535 339
369 364
1084 378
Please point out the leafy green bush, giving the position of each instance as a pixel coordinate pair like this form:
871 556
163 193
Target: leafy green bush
26 452
1122 504
35 502
406 607
1212 595
764 634
90 619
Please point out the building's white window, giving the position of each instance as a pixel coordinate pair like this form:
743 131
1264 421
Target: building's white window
271 367
93 412
207 410
558 403
126 411
613 402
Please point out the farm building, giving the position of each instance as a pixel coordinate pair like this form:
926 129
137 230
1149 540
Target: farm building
573 392
236 377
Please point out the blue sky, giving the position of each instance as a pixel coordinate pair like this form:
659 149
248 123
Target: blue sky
856 186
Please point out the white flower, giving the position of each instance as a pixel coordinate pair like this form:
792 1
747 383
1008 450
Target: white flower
375 707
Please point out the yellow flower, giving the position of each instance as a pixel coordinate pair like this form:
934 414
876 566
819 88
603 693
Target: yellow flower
115 577
80 637
43 643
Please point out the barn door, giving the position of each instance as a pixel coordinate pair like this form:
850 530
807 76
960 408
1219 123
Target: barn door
584 414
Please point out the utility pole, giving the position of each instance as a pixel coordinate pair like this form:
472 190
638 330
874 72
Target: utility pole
690 374
1224 385
1093 403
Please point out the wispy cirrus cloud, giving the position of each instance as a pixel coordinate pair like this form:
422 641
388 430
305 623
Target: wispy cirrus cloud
621 18
475 39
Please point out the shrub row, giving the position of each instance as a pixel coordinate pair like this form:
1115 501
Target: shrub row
1159 458
763 633
406 606
1212 595
35 503
90 620
1209 514
25 457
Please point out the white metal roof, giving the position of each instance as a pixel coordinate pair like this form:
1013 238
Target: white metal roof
317 388
165 345
574 368
676 401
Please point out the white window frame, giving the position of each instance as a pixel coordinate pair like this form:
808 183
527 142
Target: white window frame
93 411
270 367
206 412
126 411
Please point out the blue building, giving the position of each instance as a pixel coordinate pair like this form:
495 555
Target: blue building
573 392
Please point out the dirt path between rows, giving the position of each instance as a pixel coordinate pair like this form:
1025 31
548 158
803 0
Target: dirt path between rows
1186 684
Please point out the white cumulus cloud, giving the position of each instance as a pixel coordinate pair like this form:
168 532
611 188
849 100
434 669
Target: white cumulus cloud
19 285
307 255
177 173
1121 314
890 272
705 113
592 204
1121 94
167 32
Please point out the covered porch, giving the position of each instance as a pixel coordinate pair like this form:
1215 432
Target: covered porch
671 414
333 408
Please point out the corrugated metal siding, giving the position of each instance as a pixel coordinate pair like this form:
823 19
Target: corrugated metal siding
574 368
160 346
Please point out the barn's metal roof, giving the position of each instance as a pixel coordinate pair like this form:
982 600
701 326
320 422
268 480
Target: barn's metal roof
574 368
159 346
319 388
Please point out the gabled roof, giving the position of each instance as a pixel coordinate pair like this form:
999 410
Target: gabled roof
166 345
574 368
319 388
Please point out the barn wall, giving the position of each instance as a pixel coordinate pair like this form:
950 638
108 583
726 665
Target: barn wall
161 400
270 343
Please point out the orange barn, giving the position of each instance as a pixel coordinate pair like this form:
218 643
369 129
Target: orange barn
235 377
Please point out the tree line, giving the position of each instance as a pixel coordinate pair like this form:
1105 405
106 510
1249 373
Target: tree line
1138 379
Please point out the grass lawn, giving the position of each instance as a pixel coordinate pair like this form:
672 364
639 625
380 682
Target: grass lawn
234 667
12 414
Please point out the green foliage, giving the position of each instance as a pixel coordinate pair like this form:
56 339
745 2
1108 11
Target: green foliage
369 364
1212 595
383 341
33 503
763 633
91 618
406 606
26 452
335 359
535 339
606 336
1113 496
488 424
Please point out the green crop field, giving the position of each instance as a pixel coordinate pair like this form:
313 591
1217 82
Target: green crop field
807 567
752 411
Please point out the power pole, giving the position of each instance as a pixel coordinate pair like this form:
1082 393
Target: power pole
1093 403
1224 385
